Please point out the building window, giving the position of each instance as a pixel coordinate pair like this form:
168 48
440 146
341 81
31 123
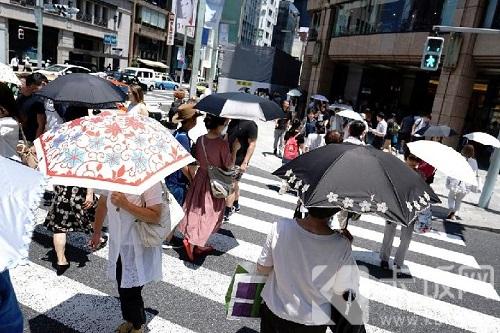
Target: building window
492 17
381 16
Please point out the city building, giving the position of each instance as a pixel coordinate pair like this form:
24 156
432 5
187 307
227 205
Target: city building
148 40
250 22
285 30
268 16
369 53
95 37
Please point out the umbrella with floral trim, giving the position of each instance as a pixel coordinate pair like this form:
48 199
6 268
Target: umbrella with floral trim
359 179
114 152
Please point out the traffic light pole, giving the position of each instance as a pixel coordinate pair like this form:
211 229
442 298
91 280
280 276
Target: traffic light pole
39 23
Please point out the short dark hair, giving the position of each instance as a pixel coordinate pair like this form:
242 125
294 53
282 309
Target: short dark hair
36 79
7 100
357 128
212 122
381 115
333 136
322 213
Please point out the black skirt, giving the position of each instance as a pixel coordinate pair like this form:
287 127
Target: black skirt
67 212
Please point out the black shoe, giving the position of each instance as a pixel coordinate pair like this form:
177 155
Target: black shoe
61 269
275 152
225 219
384 264
236 208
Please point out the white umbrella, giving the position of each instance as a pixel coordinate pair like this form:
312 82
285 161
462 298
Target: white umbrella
20 191
350 114
294 93
7 75
445 159
483 138
340 106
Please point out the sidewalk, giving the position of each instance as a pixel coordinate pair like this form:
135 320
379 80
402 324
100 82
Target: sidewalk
472 216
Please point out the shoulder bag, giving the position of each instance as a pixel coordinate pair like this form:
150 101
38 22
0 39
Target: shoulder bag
153 234
221 181
26 151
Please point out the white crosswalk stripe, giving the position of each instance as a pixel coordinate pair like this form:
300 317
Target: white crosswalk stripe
82 308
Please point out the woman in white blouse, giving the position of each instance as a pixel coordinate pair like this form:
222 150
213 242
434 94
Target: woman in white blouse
137 105
9 127
130 263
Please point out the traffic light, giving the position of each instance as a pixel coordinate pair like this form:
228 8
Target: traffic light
20 33
432 53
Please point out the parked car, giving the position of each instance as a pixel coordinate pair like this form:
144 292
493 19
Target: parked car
54 71
166 83
144 75
122 80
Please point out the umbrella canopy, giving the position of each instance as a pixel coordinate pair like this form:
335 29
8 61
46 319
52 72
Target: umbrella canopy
340 106
483 138
445 159
83 90
436 131
294 93
320 98
7 75
361 179
350 114
237 105
115 152
20 191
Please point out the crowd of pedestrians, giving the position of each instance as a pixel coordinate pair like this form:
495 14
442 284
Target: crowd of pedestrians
229 146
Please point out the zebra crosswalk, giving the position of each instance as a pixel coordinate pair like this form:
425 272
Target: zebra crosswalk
441 294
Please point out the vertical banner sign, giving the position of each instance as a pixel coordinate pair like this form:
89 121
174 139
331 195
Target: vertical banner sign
171 29
213 13
224 34
185 12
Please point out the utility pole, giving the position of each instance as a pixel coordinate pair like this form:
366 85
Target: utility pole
215 50
184 45
200 22
39 24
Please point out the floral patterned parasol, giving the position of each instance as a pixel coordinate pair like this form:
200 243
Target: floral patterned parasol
112 152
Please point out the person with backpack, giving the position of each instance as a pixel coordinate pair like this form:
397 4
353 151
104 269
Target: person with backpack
294 145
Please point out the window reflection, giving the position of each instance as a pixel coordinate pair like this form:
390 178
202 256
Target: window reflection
383 16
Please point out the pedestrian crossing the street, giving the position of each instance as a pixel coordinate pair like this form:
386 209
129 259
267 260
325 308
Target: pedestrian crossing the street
156 97
447 289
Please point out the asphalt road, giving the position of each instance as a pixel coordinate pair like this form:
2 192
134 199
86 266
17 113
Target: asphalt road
452 286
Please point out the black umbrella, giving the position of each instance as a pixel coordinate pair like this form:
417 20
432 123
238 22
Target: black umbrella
237 105
436 131
360 179
84 90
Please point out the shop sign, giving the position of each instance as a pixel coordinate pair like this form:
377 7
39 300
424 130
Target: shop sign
171 29
110 40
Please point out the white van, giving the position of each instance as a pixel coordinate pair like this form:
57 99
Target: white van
144 75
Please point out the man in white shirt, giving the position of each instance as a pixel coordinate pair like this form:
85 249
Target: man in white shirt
14 63
420 123
356 134
380 131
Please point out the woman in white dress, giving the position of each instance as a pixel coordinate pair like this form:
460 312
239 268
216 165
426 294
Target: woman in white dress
458 189
137 105
9 127
130 263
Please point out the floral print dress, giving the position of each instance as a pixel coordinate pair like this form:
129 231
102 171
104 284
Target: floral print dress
67 212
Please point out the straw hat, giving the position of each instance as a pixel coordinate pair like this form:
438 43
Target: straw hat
185 112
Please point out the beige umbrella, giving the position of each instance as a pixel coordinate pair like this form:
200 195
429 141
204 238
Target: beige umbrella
7 75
